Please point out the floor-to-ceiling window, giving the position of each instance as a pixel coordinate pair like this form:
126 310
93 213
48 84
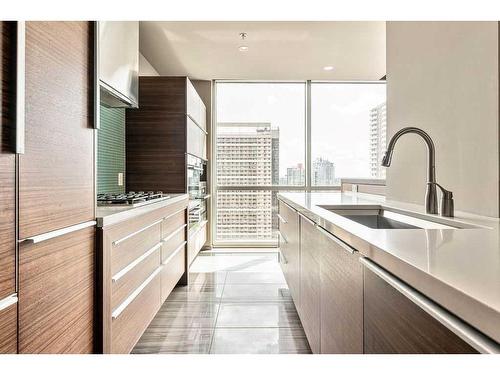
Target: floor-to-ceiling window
288 136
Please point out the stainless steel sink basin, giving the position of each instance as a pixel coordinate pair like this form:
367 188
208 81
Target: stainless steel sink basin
381 218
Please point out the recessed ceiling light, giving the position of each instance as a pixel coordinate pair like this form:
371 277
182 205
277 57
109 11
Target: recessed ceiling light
243 48
328 68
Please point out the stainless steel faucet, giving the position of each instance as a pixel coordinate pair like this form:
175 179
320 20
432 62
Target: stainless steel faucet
431 207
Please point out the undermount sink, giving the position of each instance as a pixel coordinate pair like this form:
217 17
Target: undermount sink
382 218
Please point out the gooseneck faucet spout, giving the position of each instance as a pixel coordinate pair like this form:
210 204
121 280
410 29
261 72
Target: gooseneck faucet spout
431 205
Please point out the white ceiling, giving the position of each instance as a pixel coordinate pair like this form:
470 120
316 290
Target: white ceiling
277 50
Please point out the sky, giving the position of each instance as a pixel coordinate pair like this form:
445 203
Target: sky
339 119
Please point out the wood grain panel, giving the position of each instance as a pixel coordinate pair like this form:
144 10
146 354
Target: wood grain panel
172 244
309 310
8 330
156 136
7 160
129 326
57 170
172 223
172 273
395 325
56 294
134 278
341 300
132 248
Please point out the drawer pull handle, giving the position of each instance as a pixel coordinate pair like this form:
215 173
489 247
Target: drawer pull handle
171 235
282 237
116 313
117 242
474 338
307 219
60 232
339 242
198 125
8 301
283 260
282 219
174 253
175 213
97 89
134 263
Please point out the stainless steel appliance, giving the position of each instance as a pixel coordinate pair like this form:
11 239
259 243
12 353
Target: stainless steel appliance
130 199
119 63
197 190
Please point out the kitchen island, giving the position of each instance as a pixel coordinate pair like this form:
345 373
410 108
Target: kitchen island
455 268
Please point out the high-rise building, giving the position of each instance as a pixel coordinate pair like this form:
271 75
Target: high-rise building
378 134
323 172
295 175
247 154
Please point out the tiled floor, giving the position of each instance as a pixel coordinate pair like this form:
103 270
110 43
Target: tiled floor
235 303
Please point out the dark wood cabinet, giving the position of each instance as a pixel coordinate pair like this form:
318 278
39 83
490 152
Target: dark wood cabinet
341 297
310 306
56 172
157 134
8 329
56 294
395 325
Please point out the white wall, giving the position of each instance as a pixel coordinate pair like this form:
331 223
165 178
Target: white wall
444 78
145 67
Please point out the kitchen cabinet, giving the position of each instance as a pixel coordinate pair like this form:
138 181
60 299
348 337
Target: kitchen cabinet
141 260
196 241
56 191
160 133
56 294
289 249
341 296
309 308
56 172
393 324
7 160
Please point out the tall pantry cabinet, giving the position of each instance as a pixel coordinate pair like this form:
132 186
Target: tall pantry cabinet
55 187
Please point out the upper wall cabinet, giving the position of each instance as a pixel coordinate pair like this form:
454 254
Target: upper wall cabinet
119 63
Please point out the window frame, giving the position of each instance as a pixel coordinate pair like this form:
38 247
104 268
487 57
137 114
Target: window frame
306 187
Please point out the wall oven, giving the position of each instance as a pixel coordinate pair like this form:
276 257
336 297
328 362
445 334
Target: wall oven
197 190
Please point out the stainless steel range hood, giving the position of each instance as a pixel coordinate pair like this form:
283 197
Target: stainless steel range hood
119 63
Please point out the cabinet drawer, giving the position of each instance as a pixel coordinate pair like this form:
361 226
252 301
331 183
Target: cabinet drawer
173 242
8 329
131 246
173 269
173 222
128 325
131 277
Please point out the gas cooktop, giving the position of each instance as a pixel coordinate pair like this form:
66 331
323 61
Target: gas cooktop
131 199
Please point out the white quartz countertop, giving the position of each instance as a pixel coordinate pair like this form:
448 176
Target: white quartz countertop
108 215
457 268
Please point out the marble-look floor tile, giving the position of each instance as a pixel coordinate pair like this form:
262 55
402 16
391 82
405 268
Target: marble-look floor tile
256 292
197 293
259 341
186 315
264 314
243 263
174 341
207 278
255 278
